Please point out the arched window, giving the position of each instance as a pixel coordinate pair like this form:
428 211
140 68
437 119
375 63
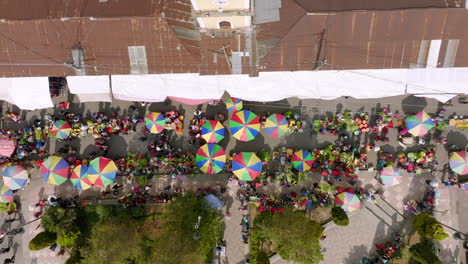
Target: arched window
225 24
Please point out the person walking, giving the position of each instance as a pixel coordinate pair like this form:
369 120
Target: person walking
9 260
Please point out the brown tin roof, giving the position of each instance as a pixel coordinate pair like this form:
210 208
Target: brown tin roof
367 39
348 5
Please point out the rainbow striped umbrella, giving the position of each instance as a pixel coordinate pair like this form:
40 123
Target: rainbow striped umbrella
234 104
348 201
15 177
102 171
302 160
155 122
276 125
212 131
390 175
210 158
54 170
458 162
419 124
79 178
244 125
464 187
6 194
60 129
246 166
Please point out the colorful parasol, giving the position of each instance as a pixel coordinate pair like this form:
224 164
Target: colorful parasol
464 187
234 104
7 146
102 171
348 201
210 158
458 162
15 177
244 125
6 194
79 178
390 175
155 122
276 125
60 129
212 131
246 166
54 170
302 160
419 124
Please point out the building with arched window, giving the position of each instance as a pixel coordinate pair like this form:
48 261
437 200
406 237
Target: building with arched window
214 15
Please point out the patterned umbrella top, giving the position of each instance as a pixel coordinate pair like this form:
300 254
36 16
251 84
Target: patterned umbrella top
348 201
15 177
6 194
244 125
246 166
210 158
276 125
419 124
102 171
54 170
458 162
234 104
464 187
155 122
212 131
61 129
7 146
79 178
390 175
302 160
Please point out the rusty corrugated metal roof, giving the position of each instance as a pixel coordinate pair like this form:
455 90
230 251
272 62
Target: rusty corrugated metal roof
348 5
368 39
50 9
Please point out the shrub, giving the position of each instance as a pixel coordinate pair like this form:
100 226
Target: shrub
264 155
424 253
68 238
104 211
428 227
58 220
42 240
339 216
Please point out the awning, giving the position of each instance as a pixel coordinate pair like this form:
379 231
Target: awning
90 88
28 93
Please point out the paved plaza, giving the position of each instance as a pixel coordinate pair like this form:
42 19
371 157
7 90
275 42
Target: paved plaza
372 224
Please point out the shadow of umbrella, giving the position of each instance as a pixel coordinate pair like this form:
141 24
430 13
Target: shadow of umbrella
413 104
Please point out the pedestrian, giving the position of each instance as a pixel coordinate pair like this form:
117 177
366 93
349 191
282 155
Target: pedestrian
9 260
323 237
4 250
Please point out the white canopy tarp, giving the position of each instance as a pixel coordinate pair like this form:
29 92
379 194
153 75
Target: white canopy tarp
439 83
28 93
90 88
156 87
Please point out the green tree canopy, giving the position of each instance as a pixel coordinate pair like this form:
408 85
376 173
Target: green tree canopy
175 243
428 227
42 240
339 216
115 240
57 219
295 237
425 253
69 238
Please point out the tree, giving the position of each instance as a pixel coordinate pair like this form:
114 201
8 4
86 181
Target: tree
57 219
428 227
295 237
177 230
114 240
68 238
42 240
339 216
425 253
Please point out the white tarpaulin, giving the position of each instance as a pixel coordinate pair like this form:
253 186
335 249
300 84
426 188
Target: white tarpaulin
156 87
27 93
90 88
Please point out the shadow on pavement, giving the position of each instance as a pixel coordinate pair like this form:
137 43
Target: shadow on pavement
413 104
